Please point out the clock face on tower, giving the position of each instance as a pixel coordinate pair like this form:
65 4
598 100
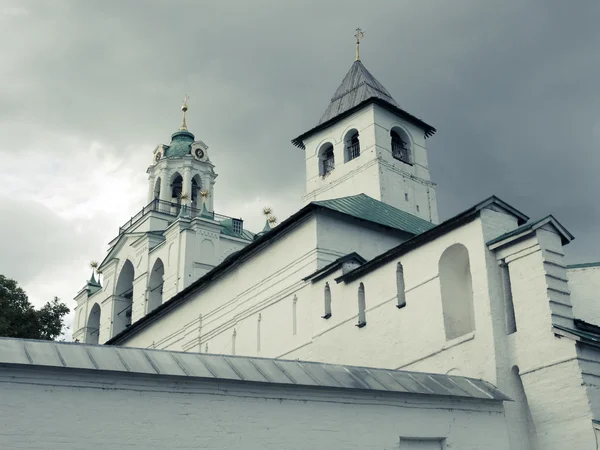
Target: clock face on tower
199 153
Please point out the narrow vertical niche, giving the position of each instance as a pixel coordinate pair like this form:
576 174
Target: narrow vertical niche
294 315
327 300
258 321
233 338
362 307
400 287
509 307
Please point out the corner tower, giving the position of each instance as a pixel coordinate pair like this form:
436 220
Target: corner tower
181 172
365 143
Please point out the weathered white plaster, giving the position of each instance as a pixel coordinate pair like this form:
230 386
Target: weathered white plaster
74 410
584 284
375 172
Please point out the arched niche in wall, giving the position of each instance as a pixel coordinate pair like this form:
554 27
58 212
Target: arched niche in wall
206 252
123 302
155 286
457 291
92 334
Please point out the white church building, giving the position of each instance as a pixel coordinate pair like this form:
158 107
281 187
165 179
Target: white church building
364 274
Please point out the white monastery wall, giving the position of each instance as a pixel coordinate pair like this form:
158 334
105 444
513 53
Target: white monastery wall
266 284
235 299
340 236
584 283
413 337
160 412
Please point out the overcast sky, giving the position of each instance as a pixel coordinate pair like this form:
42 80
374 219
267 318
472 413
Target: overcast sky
89 88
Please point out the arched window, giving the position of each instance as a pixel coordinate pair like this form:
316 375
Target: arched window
400 145
401 294
176 190
326 159
93 325
327 294
155 286
457 291
196 187
351 146
362 315
123 302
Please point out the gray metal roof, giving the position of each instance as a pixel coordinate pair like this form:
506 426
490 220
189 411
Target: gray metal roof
30 353
357 86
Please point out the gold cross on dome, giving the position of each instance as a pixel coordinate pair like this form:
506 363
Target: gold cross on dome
359 35
184 108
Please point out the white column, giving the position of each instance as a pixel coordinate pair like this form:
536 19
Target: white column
165 191
151 181
187 184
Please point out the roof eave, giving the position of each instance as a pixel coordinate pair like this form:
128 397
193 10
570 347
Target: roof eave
428 129
565 235
333 266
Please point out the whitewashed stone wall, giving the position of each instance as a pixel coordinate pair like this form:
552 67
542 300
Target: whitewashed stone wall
375 172
584 283
266 284
70 409
281 317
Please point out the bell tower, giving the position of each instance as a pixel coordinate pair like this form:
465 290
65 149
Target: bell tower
181 172
365 143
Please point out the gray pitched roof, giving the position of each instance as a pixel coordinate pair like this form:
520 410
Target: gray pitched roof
62 355
357 86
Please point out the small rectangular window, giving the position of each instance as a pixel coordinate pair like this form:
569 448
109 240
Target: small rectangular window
422 444
238 226
405 196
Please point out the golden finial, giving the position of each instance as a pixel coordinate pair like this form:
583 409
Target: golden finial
267 211
272 220
184 108
359 35
203 193
184 196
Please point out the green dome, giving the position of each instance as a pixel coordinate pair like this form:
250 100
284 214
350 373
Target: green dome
180 144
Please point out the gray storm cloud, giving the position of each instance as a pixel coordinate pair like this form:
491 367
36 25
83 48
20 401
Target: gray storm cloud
510 86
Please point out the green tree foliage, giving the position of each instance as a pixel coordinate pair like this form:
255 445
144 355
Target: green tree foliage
19 319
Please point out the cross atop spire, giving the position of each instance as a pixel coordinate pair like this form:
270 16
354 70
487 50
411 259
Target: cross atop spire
359 35
184 108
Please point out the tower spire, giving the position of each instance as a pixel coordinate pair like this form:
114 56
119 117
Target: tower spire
359 35
184 108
